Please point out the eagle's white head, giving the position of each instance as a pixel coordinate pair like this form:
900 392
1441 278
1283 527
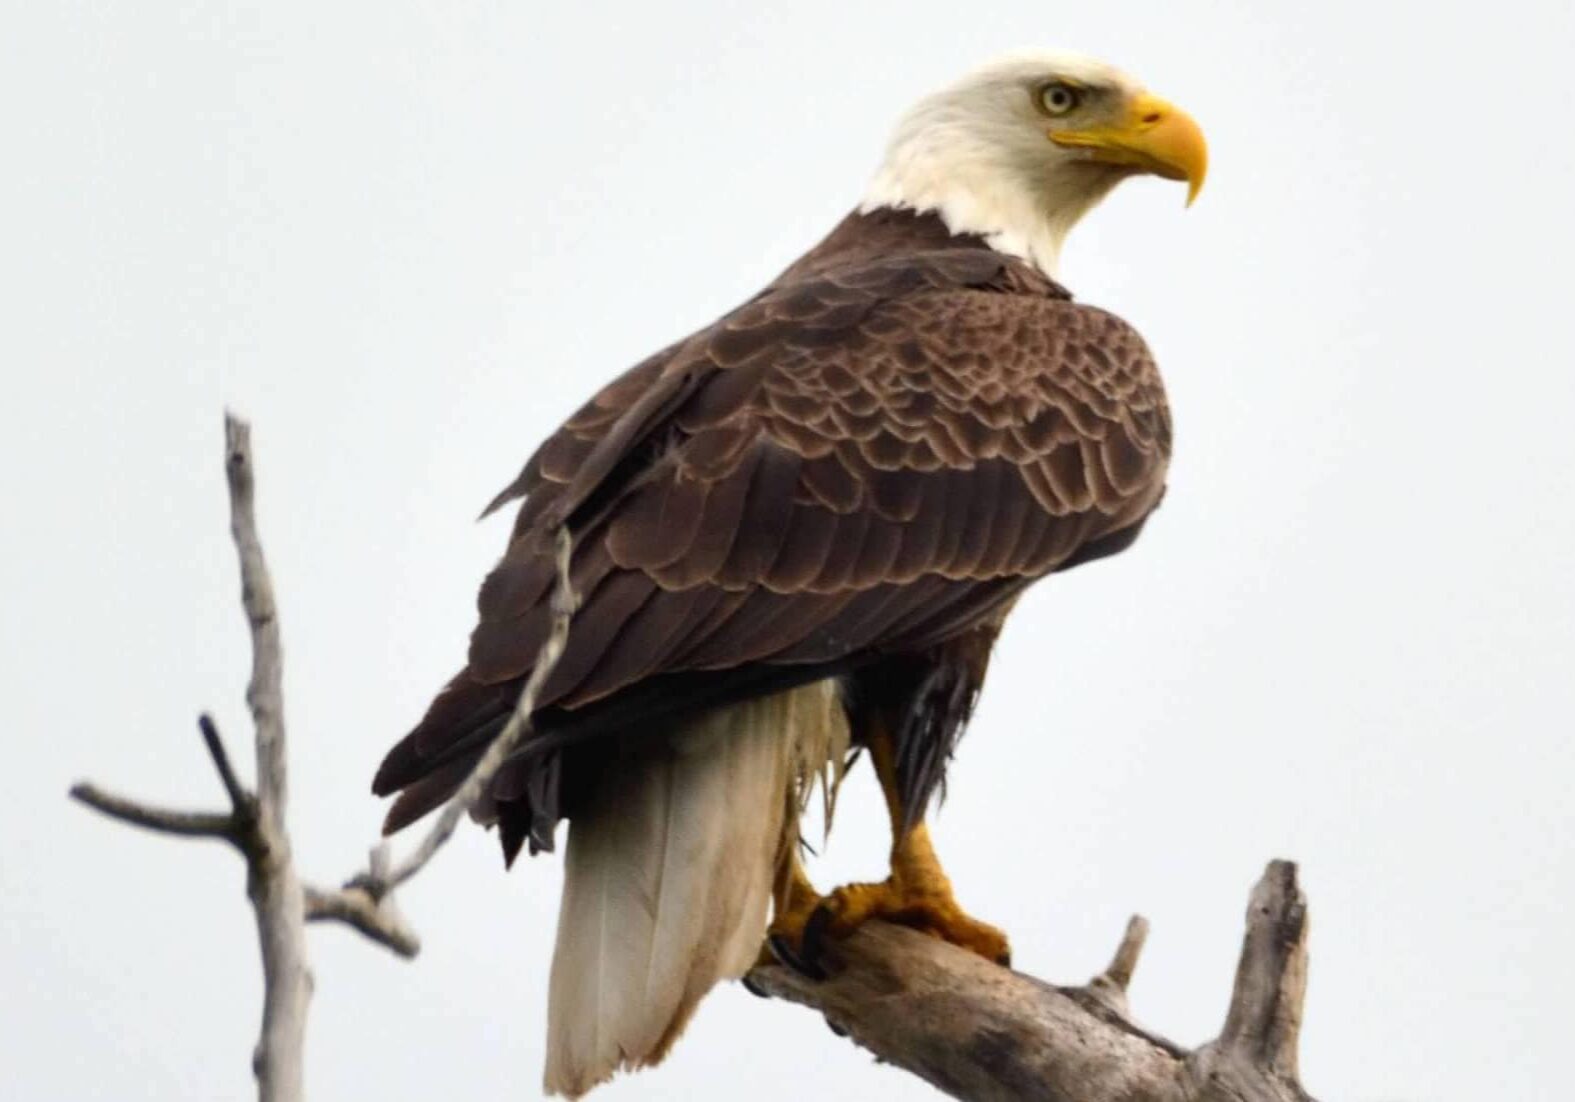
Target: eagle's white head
1019 150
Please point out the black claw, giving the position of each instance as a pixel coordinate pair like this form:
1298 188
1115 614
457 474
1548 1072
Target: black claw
754 988
835 1028
782 951
1005 959
790 957
814 939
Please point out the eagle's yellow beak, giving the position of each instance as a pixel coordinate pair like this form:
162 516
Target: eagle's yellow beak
1155 136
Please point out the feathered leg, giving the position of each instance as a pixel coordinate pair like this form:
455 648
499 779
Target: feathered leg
917 893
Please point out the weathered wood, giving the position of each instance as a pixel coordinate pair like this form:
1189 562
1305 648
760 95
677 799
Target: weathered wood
278 899
255 823
376 918
189 824
981 1032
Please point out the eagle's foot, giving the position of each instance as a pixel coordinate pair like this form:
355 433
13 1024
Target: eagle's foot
807 958
917 895
924 900
900 900
796 901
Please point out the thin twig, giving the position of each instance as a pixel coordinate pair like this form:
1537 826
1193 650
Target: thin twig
356 908
1110 986
354 905
517 727
189 824
1124 963
244 803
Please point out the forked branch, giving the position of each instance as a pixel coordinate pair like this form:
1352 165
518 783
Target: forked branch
982 1032
255 822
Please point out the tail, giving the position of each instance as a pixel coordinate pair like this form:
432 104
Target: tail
668 877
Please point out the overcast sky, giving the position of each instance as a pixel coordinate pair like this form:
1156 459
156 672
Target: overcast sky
405 240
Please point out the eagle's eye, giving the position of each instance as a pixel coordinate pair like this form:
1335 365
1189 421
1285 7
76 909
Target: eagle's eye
1057 99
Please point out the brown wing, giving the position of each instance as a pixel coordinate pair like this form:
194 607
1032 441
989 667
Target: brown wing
858 464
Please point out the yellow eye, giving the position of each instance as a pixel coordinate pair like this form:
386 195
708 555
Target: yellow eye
1056 98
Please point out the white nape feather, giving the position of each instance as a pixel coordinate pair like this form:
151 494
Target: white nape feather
976 154
668 876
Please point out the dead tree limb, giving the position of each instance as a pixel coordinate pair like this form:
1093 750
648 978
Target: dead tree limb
189 824
981 1032
278 899
255 822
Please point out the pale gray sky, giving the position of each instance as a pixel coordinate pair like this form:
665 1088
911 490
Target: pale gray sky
405 239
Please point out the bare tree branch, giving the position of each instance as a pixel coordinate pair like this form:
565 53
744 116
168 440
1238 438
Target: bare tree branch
234 826
1259 1041
375 918
276 893
242 801
1110 986
982 1032
190 824
255 823
358 910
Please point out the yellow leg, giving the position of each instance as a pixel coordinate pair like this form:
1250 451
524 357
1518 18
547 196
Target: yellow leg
916 894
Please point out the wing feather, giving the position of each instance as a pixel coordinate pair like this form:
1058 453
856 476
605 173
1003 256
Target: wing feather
860 460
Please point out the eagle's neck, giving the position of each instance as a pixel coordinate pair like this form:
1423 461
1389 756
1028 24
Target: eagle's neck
865 236
986 184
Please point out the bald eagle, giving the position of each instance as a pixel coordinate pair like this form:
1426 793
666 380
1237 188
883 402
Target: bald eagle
796 535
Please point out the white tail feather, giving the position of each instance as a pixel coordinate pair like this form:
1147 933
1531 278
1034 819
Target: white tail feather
668 875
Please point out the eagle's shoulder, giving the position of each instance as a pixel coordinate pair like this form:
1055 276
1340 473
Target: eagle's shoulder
893 368
820 302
